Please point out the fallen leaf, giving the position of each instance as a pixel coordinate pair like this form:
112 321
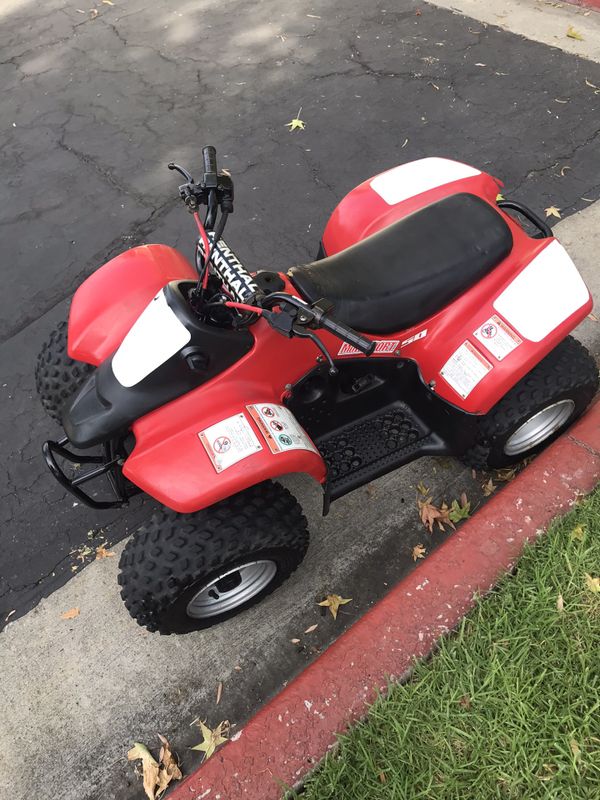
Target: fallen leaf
404 144
575 749
435 86
93 13
459 511
465 701
431 514
80 10
9 615
295 641
577 533
333 602
591 85
560 604
108 2
418 551
552 211
70 614
296 123
499 197
211 739
573 34
382 777
505 474
557 100
488 488
150 767
474 474
102 552
563 170
168 767
422 489
593 317
311 628
592 584
219 691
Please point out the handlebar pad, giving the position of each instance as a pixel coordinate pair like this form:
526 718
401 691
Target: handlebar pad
209 155
348 334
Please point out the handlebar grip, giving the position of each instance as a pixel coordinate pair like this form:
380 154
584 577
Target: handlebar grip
348 334
209 155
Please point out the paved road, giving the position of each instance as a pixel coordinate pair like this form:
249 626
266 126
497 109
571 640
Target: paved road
92 110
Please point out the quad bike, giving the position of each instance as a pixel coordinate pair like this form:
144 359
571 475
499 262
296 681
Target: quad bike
433 322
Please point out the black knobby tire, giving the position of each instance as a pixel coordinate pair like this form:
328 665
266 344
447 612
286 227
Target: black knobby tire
169 560
57 376
567 373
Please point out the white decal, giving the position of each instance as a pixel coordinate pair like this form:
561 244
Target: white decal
464 369
497 337
415 338
280 428
155 336
544 294
381 346
407 180
229 441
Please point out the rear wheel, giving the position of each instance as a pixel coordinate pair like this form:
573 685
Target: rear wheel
57 376
537 409
182 573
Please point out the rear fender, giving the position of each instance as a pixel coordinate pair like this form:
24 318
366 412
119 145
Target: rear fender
228 447
108 303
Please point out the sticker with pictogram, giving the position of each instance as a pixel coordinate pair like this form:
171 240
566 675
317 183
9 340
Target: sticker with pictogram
465 368
280 428
497 337
229 441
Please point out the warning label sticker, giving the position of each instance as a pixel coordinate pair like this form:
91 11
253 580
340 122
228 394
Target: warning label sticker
465 368
280 428
497 337
229 441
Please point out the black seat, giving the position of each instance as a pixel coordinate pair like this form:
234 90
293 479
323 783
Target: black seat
409 270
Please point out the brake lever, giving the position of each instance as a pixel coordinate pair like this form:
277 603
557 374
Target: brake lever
181 170
303 333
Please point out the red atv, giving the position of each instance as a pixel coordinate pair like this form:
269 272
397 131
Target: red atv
433 322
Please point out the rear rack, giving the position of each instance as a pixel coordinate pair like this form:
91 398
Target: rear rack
544 229
109 462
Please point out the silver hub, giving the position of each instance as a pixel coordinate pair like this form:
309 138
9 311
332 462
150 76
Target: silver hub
231 589
539 427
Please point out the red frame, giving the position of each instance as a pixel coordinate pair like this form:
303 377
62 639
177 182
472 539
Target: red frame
169 461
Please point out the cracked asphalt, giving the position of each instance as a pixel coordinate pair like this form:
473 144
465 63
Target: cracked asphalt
94 108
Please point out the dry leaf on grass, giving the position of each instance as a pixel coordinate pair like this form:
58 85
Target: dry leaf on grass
552 211
70 614
577 533
212 738
592 584
560 604
575 749
573 34
333 603
296 124
418 551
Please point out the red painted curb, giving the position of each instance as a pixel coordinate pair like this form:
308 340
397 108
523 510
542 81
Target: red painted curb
595 4
295 730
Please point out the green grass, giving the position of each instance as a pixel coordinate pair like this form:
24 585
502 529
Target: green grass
509 707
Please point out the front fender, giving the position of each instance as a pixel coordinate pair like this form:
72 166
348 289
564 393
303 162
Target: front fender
190 469
107 304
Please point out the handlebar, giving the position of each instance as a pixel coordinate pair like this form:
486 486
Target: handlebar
209 156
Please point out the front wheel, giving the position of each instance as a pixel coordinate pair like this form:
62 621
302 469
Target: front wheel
182 573
537 409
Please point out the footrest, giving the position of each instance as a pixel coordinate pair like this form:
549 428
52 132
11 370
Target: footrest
362 451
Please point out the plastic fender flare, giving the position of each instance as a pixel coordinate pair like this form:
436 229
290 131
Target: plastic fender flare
107 304
177 471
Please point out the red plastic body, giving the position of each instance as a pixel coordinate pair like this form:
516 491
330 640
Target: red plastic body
169 461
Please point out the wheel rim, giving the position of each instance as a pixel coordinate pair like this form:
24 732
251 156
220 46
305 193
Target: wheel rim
539 427
231 589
